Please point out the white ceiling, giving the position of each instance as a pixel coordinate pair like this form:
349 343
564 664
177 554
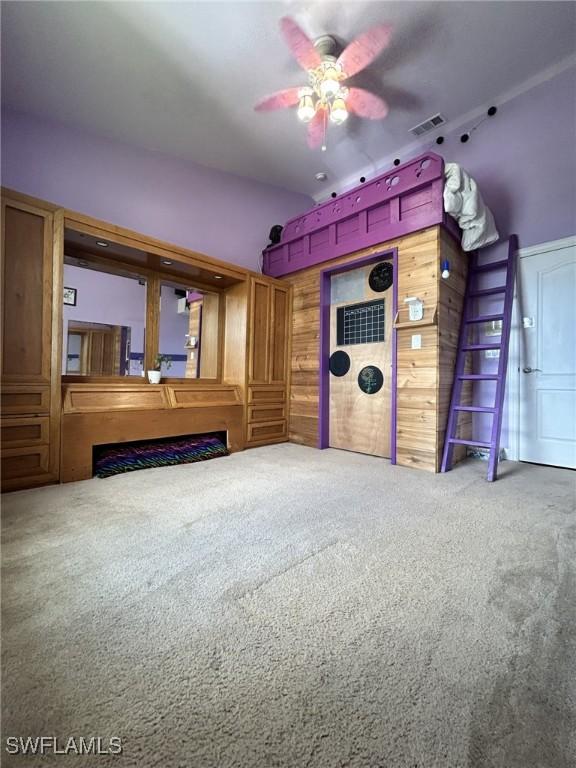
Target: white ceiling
181 78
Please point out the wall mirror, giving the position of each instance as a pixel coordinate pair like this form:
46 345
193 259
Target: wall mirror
189 331
104 330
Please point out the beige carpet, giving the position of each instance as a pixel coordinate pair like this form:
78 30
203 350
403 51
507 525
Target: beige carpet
295 608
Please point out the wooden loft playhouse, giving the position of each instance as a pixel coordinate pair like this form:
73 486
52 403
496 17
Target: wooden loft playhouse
398 216
286 355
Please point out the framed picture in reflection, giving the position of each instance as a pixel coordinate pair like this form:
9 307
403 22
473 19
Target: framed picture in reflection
70 296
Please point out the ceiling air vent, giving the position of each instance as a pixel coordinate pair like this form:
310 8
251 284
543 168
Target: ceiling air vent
428 125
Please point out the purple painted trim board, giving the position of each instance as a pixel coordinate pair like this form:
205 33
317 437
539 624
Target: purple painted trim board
404 200
324 404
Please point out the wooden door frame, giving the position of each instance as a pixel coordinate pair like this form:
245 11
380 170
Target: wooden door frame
324 389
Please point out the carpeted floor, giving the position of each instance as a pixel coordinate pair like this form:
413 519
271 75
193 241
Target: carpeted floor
295 608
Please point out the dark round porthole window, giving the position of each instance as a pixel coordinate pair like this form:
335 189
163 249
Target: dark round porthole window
370 379
339 363
381 277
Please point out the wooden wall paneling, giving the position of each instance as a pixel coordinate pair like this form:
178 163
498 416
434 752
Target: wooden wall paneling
424 376
418 274
305 358
288 357
210 336
451 303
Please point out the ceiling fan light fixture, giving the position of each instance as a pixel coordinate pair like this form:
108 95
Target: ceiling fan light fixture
329 88
306 110
327 97
329 75
338 111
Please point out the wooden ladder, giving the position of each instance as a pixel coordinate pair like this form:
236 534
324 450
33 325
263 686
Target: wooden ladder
472 296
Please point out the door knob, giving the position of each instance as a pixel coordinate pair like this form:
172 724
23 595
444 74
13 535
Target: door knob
531 370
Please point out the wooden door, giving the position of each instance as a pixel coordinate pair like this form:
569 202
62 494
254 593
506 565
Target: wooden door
269 323
279 334
26 293
360 364
260 304
29 359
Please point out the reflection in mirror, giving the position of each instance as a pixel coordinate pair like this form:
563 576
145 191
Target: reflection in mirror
189 331
104 329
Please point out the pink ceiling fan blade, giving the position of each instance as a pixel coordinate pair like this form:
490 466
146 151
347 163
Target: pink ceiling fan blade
366 104
364 49
300 44
317 129
289 97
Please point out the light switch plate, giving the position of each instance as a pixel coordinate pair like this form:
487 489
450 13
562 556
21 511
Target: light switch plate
417 341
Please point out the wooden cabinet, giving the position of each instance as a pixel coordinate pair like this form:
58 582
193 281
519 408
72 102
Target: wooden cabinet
268 350
30 366
102 413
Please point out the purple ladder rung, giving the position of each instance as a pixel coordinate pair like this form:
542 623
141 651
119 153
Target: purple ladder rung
491 267
484 318
480 347
473 443
463 347
475 408
487 292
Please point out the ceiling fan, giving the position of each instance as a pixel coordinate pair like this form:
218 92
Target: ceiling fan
327 98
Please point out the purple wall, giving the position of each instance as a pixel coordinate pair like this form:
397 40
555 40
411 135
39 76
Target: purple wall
216 213
525 164
524 161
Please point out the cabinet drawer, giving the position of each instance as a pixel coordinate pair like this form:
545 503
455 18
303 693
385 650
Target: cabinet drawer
266 412
20 401
266 394
22 464
271 430
27 431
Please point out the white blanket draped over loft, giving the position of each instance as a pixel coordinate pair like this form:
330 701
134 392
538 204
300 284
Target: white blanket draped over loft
463 201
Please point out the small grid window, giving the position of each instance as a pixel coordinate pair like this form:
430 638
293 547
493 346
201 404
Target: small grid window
360 323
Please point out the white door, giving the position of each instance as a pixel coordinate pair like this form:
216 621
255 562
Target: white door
547 287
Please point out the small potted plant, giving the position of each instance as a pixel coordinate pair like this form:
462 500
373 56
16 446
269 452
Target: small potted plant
155 375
